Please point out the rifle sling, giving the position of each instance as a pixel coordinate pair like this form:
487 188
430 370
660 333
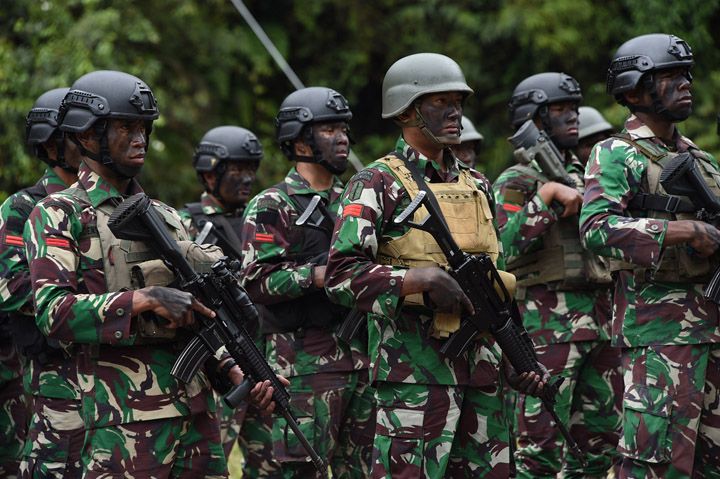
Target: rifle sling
223 230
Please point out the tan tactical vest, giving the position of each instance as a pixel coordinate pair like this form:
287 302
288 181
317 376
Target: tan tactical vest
676 264
469 217
562 264
130 265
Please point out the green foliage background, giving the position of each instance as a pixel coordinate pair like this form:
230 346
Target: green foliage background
207 68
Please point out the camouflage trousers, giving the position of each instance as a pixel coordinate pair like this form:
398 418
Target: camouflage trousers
589 403
335 412
253 434
440 431
178 447
671 412
54 441
13 425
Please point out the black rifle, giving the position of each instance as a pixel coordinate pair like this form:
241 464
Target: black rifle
136 219
680 176
495 309
353 323
532 146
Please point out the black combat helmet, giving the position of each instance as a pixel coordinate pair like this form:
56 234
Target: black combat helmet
532 95
41 125
306 107
102 95
223 144
638 58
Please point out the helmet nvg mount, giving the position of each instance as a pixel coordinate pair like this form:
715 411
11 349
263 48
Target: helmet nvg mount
303 108
41 125
532 96
101 95
413 76
638 58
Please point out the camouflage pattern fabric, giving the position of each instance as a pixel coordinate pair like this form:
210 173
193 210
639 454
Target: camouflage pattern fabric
210 207
256 443
120 383
668 330
180 447
55 378
405 359
646 313
571 331
55 439
325 374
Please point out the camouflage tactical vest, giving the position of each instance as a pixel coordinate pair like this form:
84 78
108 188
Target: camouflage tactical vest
469 217
562 264
677 264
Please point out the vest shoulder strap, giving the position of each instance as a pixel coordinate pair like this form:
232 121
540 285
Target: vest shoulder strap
647 148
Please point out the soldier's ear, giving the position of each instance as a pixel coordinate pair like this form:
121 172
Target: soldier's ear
88 140
209 177
635 96
302 148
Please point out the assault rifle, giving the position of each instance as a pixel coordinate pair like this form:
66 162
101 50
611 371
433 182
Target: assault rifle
353 323
534 147
136 219
680 176
495 309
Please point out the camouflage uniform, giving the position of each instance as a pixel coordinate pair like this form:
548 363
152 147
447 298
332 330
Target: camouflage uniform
244 425
56 430
435 417
669 332
570 328
328 379
139 418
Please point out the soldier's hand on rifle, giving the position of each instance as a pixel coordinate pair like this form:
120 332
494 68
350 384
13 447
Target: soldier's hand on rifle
527 383
261 396
172 304
444 292
569 198
703 237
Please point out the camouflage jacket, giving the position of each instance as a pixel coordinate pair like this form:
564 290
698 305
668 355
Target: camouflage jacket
649 313
120 382
549 316
210 207
400 346
57 377
270 240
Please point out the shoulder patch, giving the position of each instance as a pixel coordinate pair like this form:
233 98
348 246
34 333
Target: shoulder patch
267 217
364 175
513 196
267 203
356 191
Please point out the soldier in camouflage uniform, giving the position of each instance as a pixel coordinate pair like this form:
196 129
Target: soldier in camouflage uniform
56 432
563 293
97 293
592 128
226 161
435 417
662 258
470 142
284 266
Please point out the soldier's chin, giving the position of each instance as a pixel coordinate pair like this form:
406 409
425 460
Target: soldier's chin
681 114
449 139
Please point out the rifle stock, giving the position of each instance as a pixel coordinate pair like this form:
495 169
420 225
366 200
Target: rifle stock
219 290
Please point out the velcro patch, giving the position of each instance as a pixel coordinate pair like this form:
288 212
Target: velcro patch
269 217
58 242
14 240
263 238
353 210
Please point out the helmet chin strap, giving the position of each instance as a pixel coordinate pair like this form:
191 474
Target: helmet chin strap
439 141
317 156
104 155
657 105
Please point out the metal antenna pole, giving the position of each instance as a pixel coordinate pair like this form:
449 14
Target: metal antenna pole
277 56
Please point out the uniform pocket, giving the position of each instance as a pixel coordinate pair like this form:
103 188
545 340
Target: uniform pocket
286 445
399 439
646 420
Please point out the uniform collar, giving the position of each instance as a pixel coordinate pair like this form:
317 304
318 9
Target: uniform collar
51 182
430 168
640 131
210 205
99 190
297 185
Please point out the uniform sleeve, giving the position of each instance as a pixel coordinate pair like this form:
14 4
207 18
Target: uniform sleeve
353 278
613 176
58 258
15 288
523 217
268 276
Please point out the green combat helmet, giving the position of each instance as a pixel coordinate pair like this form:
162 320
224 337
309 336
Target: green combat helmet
636 61
591 122
469 133
416 75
